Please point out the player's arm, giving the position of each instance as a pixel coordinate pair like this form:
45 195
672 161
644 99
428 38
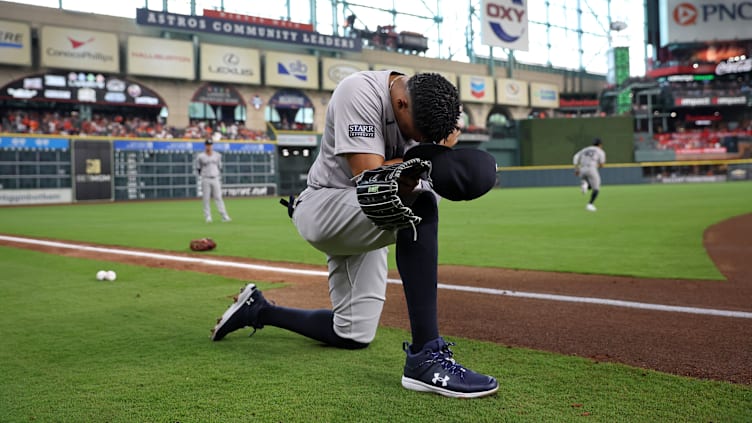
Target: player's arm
358 126
576 163
360 162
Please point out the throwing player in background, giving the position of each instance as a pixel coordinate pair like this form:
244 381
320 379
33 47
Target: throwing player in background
372 119
209 166
586 164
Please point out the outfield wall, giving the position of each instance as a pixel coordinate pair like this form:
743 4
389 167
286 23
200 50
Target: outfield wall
629 173
555 141
48 170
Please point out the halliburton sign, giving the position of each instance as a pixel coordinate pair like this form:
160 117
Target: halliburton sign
687 21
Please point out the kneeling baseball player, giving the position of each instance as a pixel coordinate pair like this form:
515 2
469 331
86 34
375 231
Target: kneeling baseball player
385 158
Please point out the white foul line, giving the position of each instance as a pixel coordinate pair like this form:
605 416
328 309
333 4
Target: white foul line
477 290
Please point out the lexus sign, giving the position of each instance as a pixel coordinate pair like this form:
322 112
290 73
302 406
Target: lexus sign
230 64
688 21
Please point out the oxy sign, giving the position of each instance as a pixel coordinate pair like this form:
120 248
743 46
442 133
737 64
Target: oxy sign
505 24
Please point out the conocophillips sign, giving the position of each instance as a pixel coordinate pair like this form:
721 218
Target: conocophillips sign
70 48
685 21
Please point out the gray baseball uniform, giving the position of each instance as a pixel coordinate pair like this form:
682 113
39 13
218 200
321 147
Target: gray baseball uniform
359 119
209 167
588 160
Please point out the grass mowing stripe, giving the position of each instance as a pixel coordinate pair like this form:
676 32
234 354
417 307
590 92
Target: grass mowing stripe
323 274
639 230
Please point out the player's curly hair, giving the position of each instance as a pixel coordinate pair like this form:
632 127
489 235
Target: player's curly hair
436 105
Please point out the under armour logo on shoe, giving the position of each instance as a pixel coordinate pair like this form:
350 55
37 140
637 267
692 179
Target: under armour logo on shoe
436 379
249 301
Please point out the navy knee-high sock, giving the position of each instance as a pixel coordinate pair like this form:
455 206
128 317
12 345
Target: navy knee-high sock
593 196
417 261
314 324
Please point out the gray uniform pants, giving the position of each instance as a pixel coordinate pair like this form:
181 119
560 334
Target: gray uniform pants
591 175
211 189
331 221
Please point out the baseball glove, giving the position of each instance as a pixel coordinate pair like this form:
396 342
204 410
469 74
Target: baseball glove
203 244
378 190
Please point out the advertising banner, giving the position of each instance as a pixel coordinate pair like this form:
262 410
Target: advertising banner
740 100
291 70
257 20
71 48
734 66
504 23
477 89
161 57
81 87
92 167
309 140
14 197
230 64
239 29
512 92
544 95
196 147
44 144
687 21
334 70
15 43
218 94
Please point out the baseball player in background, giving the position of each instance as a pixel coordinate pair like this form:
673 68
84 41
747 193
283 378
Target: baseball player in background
586 163
209 167
372 119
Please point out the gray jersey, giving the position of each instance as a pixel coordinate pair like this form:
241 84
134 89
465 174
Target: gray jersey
589 158
359 119
209 166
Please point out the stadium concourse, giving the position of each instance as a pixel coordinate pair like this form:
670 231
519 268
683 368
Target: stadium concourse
692 328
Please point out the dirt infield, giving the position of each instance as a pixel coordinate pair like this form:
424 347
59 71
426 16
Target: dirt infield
701 346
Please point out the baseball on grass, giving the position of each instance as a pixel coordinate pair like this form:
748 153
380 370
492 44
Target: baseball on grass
101 275
111 275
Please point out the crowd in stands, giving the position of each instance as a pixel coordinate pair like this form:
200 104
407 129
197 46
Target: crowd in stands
717 89
119 126
709 138
200 129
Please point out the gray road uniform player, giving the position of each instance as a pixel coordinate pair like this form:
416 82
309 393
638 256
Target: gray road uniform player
586 163
208 165
373 119
329 216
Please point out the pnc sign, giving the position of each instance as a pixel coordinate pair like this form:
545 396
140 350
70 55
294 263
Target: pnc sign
685 21
686 14
505 24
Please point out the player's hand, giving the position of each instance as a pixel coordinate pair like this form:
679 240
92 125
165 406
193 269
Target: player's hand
407 183
451 139
577 172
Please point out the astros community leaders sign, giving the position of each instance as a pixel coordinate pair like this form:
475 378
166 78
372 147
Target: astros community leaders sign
241 29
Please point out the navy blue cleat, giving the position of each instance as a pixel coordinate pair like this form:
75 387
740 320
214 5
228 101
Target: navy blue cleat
243 312
433 369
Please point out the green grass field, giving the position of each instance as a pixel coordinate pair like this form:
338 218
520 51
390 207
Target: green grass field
137 350
640 230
